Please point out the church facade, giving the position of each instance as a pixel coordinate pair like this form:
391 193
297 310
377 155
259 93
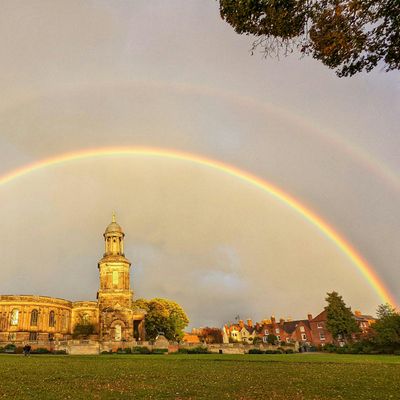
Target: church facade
41 319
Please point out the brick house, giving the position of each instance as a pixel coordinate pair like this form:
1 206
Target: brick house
321 335
285 331
307 332
319 332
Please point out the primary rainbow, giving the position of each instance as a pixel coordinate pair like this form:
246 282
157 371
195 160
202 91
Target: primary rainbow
366 269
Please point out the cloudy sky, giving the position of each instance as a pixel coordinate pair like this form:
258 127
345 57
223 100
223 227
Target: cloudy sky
172 75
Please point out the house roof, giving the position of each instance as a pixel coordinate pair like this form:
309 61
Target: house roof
190 338
290 326
364 317
322 316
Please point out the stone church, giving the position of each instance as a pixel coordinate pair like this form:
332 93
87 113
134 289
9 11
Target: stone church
42 319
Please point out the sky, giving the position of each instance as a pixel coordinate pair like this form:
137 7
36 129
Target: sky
173 75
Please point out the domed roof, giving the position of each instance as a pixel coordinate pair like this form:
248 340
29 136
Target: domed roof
113 226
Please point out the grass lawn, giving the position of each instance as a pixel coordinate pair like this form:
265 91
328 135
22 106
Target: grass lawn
297 376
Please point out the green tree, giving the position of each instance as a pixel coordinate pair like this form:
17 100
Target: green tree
83 330
340 320
211 335
385 310
257 340
386 330
272 339
164 316
347 35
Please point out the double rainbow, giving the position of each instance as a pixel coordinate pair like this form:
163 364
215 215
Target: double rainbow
366 269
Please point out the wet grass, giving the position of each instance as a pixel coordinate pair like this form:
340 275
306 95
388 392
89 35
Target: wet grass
297 376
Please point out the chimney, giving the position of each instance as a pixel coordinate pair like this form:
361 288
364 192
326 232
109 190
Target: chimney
281 321
272 319
309 316
250 323
241 323
357 313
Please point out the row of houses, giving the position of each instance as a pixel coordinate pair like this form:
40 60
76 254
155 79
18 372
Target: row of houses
306 332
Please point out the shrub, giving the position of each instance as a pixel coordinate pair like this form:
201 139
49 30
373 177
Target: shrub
256 351
40 350
198 350
141 350
330 348
19 350
58 352
280 350
120 350
9 348
274 351
194 350
160 351
289 351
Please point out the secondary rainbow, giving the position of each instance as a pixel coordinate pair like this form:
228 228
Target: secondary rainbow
353 151
366 269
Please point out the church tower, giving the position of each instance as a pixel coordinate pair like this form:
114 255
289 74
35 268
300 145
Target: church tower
118 320
114 270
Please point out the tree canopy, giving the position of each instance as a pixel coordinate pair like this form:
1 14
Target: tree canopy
340 320
385 310
211 335
83 330
163 316
386 330
349 36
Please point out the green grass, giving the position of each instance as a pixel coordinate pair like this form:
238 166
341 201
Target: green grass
297 376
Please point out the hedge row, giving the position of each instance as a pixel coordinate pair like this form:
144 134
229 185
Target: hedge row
12 349
277 351
136 350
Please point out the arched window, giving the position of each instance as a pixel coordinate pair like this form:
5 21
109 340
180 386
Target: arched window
34 317
14 317
52 320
